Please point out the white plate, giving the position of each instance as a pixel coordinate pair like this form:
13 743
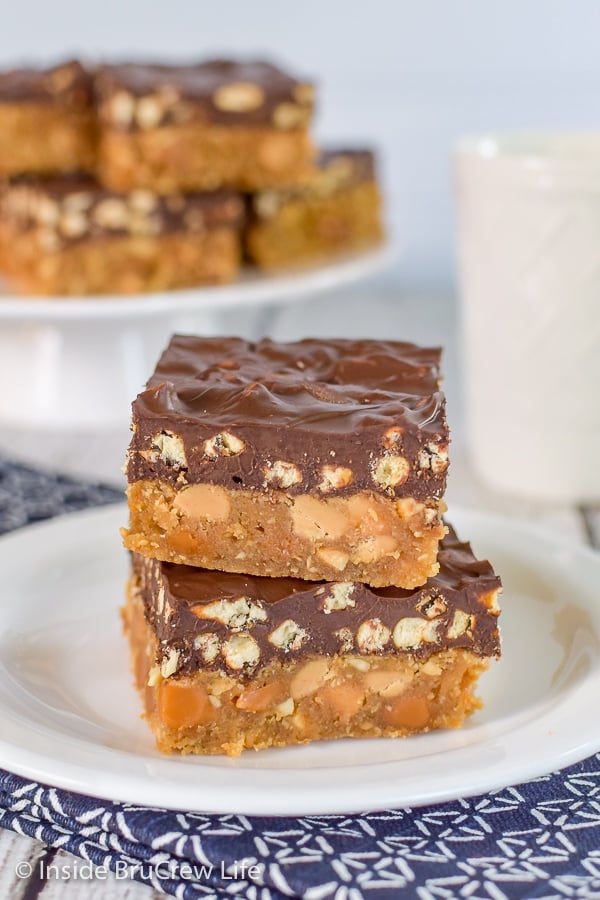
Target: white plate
69 714
253 289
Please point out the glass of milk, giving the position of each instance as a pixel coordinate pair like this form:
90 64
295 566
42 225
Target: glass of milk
529 269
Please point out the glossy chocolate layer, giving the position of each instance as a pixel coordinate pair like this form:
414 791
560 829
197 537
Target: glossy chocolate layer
67 84
191 609
354 406
218 91
76 207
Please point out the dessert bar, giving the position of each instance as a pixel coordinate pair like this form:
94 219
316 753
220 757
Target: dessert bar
200 127
338 209
316 459
227 662
46 120
72 236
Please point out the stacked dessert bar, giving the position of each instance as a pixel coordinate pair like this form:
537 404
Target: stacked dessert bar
338 208
292 576
136 177
71 235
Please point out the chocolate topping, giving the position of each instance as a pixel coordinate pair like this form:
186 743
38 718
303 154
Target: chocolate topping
238 409
329 615
68 84
219 91
76 207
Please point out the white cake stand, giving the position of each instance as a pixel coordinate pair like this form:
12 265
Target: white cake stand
76 363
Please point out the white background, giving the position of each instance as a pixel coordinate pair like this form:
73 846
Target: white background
407 76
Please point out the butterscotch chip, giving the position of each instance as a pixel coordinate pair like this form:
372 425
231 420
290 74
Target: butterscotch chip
262 698
229 661
204 126
335 211
307 679
312 449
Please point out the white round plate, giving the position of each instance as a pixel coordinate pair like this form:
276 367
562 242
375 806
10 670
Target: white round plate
254 288
69 715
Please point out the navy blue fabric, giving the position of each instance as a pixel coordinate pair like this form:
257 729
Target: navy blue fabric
537 840
28 496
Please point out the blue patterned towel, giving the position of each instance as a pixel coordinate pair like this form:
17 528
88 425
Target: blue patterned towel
538 840
541 840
